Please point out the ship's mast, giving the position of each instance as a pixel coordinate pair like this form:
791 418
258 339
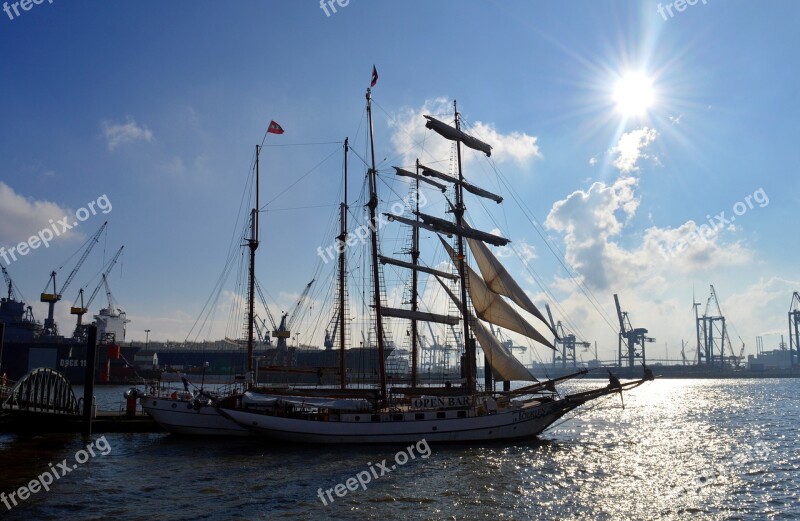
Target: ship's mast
253 244
414 280
469 344
342 281
373 205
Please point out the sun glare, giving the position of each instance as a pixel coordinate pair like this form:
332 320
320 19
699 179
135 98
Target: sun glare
634 94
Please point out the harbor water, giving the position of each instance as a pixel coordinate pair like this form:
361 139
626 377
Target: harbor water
680 449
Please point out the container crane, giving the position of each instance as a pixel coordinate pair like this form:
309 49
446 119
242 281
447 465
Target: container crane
565 342
630 337
50 327
84 308
794 328
712 334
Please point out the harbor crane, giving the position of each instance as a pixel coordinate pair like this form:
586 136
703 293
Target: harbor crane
794 328
712 334
565 343
80 331
740 358
10 285
15 297
50 327
283 331
631 337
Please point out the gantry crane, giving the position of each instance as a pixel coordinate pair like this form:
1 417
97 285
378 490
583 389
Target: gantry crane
84 307
50 328
712 334
631 338
565 343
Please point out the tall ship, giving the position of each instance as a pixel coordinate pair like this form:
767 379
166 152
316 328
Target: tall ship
462 409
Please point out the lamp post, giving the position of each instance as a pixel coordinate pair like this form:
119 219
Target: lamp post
147 338
203 381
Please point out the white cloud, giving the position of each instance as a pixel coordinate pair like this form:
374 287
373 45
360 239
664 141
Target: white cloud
592 223
592 161
518 146
653 270
629 148
411 139
117 134
22 217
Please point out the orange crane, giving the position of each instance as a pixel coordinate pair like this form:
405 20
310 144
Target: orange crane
50 328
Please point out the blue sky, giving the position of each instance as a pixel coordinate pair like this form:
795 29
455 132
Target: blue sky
158 105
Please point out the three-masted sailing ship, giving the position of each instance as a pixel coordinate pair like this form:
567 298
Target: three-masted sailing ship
460 411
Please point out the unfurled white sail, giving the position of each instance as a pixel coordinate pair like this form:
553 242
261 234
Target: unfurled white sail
500 281
491 307
505 365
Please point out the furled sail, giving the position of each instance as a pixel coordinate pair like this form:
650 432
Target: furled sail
504 364
453 134
439 225
500 281
491 307
419 315
480 192
405 173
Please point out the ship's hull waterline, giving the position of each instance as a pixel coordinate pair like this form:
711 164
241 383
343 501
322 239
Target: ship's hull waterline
519 423
182 417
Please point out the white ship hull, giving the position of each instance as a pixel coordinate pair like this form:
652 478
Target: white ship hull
181 417
510 424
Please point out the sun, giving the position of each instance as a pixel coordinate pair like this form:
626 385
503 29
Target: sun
634 94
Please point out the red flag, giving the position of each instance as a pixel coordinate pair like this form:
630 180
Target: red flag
274 128
374 76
